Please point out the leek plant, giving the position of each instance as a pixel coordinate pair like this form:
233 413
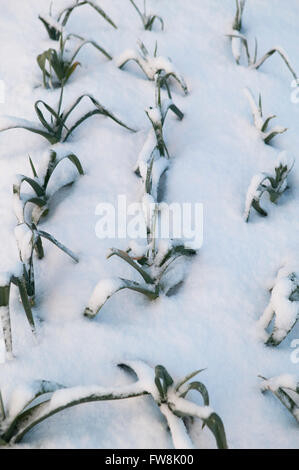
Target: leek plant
29 240
252 61
58 66
153 266
48 398
55 128
286 389
260 122
148 20
153 159
151 65
39 185
273 184
282 312
55 25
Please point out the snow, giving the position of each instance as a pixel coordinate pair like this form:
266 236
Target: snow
149 207
154 114
145 153
19 399
191 409
7 122
18 207
236 47
163 247
103 290
138 250
150 65
24 238
67 395
4 278
125 56
281 381
177 428
215 151
146 376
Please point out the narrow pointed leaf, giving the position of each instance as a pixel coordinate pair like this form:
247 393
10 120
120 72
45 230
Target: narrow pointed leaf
215 424
188 377
58 244
122 254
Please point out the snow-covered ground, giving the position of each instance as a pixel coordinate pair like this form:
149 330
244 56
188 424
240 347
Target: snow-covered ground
212 319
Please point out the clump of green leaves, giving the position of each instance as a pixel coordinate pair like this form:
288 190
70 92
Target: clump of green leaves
153 158
283 307
39 185
54 127
154 266
55 25
151 65
148 20
170 397
58 66
260 122
273 184
7 279
286 389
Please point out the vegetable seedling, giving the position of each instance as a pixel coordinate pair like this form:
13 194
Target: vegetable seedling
273 184
151 65
283 307
260 122
286 389
55 25
148 20
58 66
55 129
48 398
